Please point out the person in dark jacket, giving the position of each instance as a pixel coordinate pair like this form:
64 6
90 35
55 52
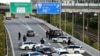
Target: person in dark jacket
19 35
47 34
42 41
33 48
24 38
69 41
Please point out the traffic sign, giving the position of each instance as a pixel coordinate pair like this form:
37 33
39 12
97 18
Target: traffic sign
21 7
48 8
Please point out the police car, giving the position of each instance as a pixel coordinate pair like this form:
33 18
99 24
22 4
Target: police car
74 49
32 54
61 39
26 45
64 52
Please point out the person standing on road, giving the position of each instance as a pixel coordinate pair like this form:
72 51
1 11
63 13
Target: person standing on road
47 34
24 38
42 41
19 35
69 41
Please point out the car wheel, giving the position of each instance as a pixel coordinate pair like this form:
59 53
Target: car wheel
76 52
26 48
64 42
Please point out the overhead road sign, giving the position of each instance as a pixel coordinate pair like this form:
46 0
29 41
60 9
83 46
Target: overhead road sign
21 7
48 8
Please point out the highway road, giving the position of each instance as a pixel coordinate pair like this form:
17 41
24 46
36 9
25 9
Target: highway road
22 24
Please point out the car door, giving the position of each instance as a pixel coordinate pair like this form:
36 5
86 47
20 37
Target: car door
59 39
70 49
31 45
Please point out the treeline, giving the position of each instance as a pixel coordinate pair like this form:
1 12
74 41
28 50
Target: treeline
2 37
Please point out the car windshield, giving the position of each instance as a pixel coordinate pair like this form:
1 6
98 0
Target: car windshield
30 31
63 53
46 49
62 37
33 54
72 47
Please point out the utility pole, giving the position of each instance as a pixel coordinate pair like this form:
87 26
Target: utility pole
65 20
98 30
83 25
72 24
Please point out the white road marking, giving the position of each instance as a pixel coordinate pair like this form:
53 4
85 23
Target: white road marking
44 39
42 28
54 48
60 45
13 52
26 25
49 43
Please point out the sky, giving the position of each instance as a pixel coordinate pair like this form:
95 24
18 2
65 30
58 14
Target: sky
8 1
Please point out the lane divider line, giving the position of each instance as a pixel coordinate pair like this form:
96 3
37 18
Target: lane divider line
54 48
13 52
42 28
26 24
49 43
60 45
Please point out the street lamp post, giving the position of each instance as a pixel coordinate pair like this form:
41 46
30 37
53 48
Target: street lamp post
65 20
72 24
83 26
98 30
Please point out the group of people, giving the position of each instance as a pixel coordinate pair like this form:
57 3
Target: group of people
24 37
52 34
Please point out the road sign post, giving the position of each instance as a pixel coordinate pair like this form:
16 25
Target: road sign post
21 7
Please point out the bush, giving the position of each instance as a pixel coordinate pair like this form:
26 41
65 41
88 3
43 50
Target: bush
95 45
2 37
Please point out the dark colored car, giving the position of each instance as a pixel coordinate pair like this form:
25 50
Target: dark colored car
30 33
45 50
32 54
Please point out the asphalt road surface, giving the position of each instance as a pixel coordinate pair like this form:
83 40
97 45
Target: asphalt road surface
22 24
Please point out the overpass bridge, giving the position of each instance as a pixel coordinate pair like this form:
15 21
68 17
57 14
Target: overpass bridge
75 7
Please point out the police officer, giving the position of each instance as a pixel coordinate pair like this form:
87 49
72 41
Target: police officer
42 41
19 35
69 41
47 34
24 38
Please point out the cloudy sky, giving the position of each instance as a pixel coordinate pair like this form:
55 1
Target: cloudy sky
8 1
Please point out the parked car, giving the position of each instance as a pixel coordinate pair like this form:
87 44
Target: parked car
74 49
45 50
61 39
37 46
60 52
58 32
26 45
30 33
33 54
63 52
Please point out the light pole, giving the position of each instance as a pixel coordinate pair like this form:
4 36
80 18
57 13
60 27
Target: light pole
65 20
83 25
72 24
98 30
60 18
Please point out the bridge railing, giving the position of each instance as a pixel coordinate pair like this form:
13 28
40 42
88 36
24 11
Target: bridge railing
80 4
